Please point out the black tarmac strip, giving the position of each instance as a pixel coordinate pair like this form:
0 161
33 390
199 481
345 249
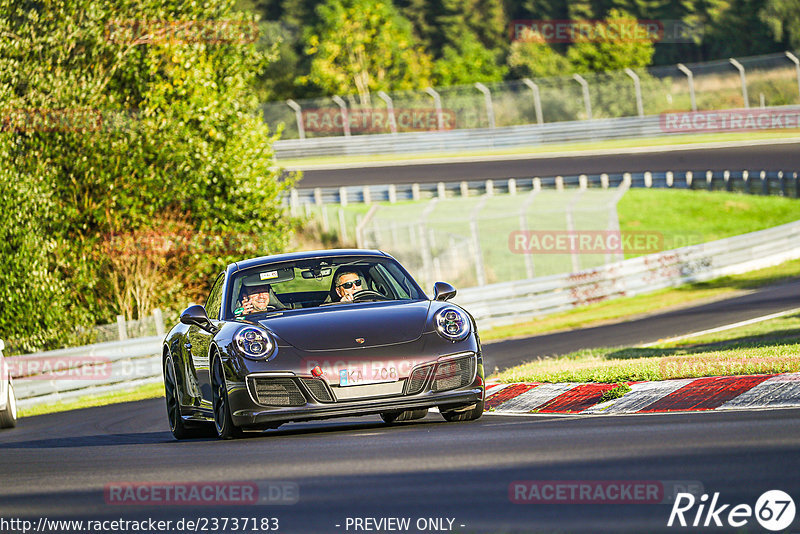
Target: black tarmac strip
785 157
430 472
758 303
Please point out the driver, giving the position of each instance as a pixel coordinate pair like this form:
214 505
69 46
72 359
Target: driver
348 283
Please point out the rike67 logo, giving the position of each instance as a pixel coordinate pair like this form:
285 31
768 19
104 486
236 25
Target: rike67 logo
774 510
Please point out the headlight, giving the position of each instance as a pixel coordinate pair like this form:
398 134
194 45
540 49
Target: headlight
253 342
452 324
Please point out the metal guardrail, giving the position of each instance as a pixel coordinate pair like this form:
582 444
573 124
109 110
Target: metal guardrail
483 138
72 373
510 302
784 183
68 374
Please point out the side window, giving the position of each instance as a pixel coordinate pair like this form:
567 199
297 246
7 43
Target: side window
214 302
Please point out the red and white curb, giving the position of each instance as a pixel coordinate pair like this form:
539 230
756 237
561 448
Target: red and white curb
688 394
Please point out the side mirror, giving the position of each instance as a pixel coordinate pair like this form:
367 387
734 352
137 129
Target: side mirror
196 315
443 291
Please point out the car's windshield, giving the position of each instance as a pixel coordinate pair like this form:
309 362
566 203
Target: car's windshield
318 282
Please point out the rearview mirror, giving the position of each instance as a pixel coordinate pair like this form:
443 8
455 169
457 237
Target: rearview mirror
443 291
196 315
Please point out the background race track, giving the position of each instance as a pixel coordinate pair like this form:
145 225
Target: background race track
760 157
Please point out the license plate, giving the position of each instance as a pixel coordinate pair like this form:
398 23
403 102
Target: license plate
356 377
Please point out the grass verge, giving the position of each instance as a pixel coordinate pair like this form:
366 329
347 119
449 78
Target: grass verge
147 391
763 348
658 301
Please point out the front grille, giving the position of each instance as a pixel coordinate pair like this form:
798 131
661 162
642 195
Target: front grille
277 392
417 379
318 389
454 374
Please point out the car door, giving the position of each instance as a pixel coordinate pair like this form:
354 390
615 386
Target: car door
199 342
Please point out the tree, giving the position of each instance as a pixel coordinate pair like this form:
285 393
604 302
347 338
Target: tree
363 46
783 19
532 57
610 49
128 115
467 62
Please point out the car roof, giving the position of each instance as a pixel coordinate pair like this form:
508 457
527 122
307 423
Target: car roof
305 255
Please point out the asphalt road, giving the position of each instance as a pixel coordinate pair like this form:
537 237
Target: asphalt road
761 157
764 301
57 466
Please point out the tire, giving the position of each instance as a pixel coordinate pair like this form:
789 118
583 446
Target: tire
464 415
219 400
8 417
178 427
407 415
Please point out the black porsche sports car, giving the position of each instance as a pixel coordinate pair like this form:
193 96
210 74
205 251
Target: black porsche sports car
314 335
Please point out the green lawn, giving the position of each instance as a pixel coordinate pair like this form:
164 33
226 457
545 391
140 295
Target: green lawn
148 391
763 348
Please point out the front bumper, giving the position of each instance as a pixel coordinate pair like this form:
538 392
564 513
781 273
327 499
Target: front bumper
249 410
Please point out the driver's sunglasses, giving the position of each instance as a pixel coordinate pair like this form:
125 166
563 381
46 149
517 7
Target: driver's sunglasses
349 285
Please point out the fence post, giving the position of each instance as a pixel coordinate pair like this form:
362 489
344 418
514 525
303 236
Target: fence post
559 183
638 88
583 181
689 179
343 196
294 202
537 100
343 107
390 109
318 196
746 181
587 102
122 329
604 181
648 179
710 180
441 192
796 186
728 182
464 188
796 62
670 178
342 227
437 102
690 79
740 68
764 184
512 186
487 96
298 115
489 188
158 319
415 192
366 194
392 193
782 182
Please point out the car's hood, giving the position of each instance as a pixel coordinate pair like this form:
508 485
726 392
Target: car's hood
340 326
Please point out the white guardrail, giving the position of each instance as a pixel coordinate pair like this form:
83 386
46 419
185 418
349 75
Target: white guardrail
490 138
509 302
68 374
